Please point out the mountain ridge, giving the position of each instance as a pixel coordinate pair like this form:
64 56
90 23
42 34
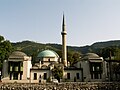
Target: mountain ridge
24 45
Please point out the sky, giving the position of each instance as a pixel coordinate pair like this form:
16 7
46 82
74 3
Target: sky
87 21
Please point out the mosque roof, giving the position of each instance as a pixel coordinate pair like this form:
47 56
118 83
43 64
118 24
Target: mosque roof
47 53
17 54
91 56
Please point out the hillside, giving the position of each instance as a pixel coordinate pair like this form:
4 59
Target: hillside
30 47
106 44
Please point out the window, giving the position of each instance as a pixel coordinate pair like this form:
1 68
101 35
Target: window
41 62
35 76
10 76
68 75
15 76
77 75
80 65
10 68
92 76
98 68
40 76
45 75
20 76
99 75
96 76
49 60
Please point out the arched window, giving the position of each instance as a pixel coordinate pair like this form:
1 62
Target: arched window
40 76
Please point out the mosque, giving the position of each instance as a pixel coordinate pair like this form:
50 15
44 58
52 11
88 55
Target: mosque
18 67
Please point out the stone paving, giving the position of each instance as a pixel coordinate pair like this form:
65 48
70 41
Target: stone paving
61 86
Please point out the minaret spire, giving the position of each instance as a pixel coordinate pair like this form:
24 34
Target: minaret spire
63 24
64 48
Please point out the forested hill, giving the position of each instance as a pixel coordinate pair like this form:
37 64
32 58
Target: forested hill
106 44
30 47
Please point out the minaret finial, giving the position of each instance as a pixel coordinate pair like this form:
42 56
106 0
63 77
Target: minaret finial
63 23
63 20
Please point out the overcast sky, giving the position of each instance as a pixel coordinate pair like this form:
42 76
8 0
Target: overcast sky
87 21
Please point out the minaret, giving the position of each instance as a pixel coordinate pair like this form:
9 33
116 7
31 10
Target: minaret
64 48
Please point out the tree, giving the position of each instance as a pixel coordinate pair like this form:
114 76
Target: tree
5 49
73 57
107 52
117 54
116 70
57 72
76 57
69 57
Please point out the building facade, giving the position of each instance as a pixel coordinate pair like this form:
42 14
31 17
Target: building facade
18 67
94 67
41 71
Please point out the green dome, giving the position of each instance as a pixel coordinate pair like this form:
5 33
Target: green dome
47 53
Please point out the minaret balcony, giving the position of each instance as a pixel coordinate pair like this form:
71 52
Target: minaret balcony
63 32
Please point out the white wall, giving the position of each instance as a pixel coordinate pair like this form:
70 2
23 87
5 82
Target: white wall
46 61
39 72
26 67
51 59
72 75
86 70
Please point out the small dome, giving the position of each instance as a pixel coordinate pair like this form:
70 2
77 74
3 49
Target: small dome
90 55
17 54
47 53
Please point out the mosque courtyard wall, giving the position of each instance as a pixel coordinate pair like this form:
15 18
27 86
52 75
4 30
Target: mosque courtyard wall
62 86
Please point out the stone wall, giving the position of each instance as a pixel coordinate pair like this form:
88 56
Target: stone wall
61 86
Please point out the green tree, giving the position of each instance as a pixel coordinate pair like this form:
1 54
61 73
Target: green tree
69 57
116 70
5 49
76 57
57 72
107 52
59 52
73 57
110 52
117 54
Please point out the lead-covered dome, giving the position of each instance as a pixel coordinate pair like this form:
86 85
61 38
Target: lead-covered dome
90 56
47 53
17 54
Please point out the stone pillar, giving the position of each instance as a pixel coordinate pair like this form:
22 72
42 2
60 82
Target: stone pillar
50 74
39 64
5 68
